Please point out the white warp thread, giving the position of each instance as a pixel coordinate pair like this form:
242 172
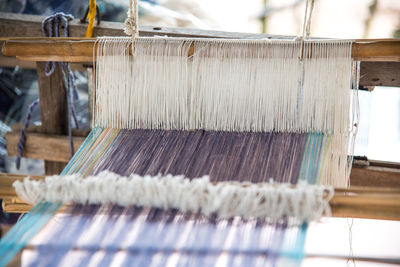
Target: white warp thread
271 200
227 85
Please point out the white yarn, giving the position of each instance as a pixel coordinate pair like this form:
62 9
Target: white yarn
132 21
275 201
228 85
307 19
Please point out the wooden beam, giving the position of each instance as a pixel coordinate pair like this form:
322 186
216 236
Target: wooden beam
368 206
17 127
81 49
358 202
6 181
15 205
42 146
20 25
376 50
380 74
11 62
51 49
375 176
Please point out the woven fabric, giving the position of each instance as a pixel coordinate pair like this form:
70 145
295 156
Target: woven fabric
104 235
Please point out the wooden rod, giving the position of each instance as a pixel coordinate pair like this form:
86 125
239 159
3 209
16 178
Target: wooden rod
59 50
81 49
358 202
43 146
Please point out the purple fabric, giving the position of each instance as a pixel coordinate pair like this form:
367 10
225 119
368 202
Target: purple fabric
149 236
245 156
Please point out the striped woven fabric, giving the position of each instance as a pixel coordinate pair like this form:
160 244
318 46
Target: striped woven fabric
133 236
254 157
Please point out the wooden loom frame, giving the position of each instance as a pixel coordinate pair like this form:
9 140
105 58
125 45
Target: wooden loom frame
380 62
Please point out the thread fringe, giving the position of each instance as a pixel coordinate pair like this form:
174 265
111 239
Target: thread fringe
271 200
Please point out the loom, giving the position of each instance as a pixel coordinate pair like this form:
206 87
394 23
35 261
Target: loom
232 136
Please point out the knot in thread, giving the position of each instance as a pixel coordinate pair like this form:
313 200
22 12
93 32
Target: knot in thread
130 26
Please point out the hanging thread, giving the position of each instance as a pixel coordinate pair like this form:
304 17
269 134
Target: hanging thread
132 21
307 19
21 142
50 28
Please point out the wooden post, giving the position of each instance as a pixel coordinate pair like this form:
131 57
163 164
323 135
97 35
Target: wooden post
53 109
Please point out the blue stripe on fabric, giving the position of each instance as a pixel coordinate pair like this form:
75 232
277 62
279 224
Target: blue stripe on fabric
95 132
298 251
306 155
14 241
312 157
33 221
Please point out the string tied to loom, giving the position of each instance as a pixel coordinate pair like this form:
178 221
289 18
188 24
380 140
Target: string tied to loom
306 32
132 21
301 39
307 19
50 28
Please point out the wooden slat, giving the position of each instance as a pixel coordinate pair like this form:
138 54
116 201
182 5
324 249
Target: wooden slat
43 146
366 211
81 50
15 205
17 127
384 164
376 50
20 25
375 176
6 181
60 50
11 62
367 202
380 74
358 202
